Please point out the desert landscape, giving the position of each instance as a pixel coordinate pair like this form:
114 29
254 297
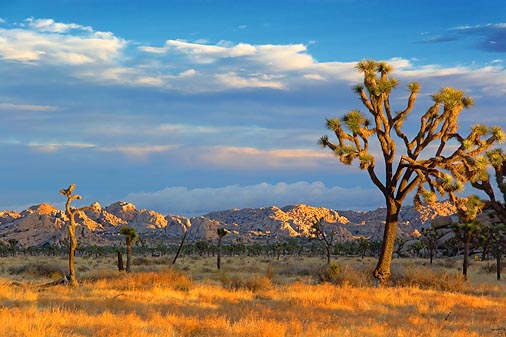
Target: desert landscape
220 168
248 297
268 285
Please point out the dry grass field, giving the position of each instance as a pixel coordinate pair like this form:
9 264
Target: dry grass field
248 297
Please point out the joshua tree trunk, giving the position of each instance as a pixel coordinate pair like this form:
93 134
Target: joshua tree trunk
218 259
498 261
72 249
129 257
467 245
328 254
382 270
181 245
120 261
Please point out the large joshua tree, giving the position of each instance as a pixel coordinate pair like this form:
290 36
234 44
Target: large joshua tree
411 169
71 211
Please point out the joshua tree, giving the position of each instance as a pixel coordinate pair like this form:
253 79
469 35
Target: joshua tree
416 247
130 236
327 239
477 168
221 234
185 232
481 180
363 246
430 238
71 211
493 240
468 227
411 169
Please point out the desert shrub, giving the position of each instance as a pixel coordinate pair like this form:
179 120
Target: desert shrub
106 275
83 268
344 275
293 269
252 283
490 268
141 261
449 262
428 278
168 278
37 270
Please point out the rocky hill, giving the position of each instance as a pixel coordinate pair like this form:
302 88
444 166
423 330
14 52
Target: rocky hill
44 224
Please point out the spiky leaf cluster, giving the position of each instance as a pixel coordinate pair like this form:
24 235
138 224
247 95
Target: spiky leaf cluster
130 234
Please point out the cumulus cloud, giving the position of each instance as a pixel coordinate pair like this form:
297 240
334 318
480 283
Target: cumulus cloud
274 57
49 42
233 80
203 66
49 25
198 201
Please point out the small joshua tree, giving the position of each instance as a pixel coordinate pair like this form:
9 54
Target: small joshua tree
130 236
222 232
71 211
468 227
326 239
185 232
430 238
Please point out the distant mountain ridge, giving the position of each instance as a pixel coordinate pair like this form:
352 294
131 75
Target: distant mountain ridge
44 224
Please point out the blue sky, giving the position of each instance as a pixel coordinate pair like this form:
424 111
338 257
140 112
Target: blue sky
191 106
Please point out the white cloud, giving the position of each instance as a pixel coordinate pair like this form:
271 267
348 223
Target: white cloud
138 151
275 57
26 107
202 53
198 201
202 66
49 42
233 80
53 147
249 158
49 25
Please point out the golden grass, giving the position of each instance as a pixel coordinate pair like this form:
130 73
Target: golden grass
167 302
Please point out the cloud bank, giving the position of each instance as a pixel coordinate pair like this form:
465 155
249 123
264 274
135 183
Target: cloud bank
199 201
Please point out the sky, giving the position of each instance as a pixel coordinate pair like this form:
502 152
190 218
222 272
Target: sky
191 106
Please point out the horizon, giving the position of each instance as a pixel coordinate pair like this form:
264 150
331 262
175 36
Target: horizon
61 207
195 106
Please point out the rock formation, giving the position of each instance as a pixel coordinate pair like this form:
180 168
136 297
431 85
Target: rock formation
46 225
